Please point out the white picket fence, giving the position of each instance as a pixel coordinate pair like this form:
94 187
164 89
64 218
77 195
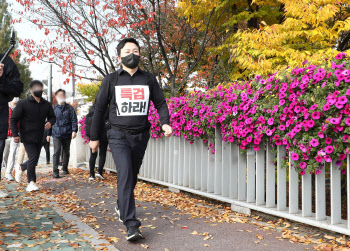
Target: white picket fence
246 181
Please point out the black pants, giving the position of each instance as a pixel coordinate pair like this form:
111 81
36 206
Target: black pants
59 144
128 151
33 150
102 160
46 145
2 148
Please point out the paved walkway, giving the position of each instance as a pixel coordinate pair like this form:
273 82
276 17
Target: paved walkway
27 224
74 214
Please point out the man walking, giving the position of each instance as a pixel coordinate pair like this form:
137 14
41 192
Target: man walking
10 146
127 94
10 86
31 114
63 131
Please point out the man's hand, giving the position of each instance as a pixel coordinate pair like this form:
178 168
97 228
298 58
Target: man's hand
16 139
1 69
74 134
47 126
167 130
94 145
48 138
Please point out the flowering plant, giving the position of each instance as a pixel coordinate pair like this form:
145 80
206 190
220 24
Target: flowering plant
305 109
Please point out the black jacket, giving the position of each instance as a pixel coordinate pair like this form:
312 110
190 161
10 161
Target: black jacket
10 86
66 121
133 93
31 116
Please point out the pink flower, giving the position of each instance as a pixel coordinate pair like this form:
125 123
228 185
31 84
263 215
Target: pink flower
302 172
319 158
294 156
327 158
326 107
342 156
328 141
256 148
318 171
329 149
302 165
314 142
320 135
316 115
313 107
270 121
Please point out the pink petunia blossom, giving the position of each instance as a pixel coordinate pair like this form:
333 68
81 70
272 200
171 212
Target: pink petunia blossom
329 149
294 156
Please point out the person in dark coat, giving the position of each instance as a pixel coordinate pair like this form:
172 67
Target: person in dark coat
10 87
102 151
63 131
126 95
31 114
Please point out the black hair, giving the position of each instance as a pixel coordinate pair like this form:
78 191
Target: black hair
35 82
122 43
60 90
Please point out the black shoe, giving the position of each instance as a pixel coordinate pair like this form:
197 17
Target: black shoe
118 212
133 234
65 172
56 175
48 163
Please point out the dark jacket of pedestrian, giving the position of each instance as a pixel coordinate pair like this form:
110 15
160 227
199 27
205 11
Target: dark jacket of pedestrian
31 116
10 86
66 121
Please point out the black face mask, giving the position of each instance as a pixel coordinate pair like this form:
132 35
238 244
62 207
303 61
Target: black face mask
131 61
38 94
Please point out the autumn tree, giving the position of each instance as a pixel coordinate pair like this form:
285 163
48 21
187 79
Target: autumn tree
86 32
311 31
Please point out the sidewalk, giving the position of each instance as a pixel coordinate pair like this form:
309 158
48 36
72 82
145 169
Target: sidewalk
26 222
74 214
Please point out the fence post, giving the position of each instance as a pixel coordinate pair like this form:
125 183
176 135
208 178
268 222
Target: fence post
226 163
250 175
335 194
320 190
281 180
205 164
234 172
176 160
171 160
186 163
306 195
211 170
260 175
270 177
293 188
218 162
198 165
181 162
192 165
242 176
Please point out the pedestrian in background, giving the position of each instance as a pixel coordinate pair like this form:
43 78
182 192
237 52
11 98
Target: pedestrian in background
10 87
31 114
63 131
103 145
10 146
